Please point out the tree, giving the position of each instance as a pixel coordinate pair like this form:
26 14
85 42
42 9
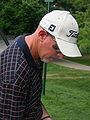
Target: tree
20 16
72 5
84 23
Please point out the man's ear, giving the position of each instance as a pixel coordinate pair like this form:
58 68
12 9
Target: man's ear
42 34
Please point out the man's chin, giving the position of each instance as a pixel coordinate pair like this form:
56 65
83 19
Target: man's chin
51 59
47 60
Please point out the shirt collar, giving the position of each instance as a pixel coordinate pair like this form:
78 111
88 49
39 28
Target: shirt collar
24 47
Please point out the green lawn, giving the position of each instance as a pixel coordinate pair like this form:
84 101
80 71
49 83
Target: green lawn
85 59
67 95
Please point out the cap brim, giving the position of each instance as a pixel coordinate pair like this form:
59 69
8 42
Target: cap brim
68 49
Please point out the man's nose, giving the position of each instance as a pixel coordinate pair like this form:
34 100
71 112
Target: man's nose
60 55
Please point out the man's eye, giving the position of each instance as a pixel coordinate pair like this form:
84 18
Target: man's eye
56 48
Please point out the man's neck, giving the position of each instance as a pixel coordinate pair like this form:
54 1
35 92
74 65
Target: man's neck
31 41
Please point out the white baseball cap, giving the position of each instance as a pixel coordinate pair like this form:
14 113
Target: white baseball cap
63 26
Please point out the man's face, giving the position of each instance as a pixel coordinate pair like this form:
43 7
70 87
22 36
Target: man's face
49 50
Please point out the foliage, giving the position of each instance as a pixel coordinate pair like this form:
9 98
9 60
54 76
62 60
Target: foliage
72 5
20 16
83 19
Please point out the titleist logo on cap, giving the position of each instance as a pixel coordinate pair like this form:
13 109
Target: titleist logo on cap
73 34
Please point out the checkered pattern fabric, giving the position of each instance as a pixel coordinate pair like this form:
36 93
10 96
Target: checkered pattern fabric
20 84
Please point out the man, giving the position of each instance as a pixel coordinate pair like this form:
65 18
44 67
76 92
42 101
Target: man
21 65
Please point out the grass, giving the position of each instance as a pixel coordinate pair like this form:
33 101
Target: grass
85 59
67 95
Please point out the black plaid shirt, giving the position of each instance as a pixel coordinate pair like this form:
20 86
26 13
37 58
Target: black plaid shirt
20 83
